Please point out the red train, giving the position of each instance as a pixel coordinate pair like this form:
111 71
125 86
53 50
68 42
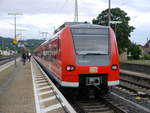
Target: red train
81 55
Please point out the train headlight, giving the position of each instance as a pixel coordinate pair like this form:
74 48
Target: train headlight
70 68
114 67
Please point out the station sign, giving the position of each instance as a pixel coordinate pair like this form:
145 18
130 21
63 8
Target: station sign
14 42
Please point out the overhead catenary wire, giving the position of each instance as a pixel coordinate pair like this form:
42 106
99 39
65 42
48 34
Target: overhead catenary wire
62 7
120 2
60 10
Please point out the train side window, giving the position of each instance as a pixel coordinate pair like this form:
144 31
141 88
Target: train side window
50 53
54 50
59 46
53 56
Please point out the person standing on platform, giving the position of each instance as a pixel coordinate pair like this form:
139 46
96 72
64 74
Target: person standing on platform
29 56
24 57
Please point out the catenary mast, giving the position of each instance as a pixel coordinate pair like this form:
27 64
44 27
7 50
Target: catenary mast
76 11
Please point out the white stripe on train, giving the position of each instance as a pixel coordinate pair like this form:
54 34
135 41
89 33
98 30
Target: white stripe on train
76 84
113 83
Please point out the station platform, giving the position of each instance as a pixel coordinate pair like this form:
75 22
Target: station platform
16 89
27 89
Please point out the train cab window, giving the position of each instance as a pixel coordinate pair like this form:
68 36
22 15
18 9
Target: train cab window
91 40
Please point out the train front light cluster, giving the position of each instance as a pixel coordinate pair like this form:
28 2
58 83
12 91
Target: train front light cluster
70 68
114 67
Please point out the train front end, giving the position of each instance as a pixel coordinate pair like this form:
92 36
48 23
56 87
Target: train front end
90 57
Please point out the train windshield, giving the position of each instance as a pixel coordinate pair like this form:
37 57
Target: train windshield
91 41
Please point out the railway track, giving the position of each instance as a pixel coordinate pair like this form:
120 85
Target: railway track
130 104
5 60
139 103
140 79
137 85
7 64
96 105
135 88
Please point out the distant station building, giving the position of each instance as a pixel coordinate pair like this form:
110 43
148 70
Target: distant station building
6 52
146 48
145 51
123 56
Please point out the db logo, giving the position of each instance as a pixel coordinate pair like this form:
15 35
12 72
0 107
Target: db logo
93 69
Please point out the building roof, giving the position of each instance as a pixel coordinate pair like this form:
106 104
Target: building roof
147 45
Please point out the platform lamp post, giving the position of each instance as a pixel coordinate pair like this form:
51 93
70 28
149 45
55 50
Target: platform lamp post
109 12
15 40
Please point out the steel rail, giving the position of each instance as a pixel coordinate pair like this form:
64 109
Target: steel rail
99 104
133 82
116 108
131 103
7 64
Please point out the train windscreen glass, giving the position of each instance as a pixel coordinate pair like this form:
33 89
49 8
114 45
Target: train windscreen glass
91 41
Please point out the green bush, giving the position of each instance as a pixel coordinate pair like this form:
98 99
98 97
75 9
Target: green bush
146 57
134 51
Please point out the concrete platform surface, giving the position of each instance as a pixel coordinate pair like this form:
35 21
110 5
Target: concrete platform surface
16 89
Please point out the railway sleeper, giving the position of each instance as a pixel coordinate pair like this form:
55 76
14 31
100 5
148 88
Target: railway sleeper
139 91
146 85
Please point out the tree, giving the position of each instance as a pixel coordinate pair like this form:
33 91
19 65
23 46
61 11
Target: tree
122 30
134 51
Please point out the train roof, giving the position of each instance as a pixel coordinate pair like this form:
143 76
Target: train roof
79 25
67 23
94 26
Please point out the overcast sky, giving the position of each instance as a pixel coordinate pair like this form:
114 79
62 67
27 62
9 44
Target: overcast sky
46 15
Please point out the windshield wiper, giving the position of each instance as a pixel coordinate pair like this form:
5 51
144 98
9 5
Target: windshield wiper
94 54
